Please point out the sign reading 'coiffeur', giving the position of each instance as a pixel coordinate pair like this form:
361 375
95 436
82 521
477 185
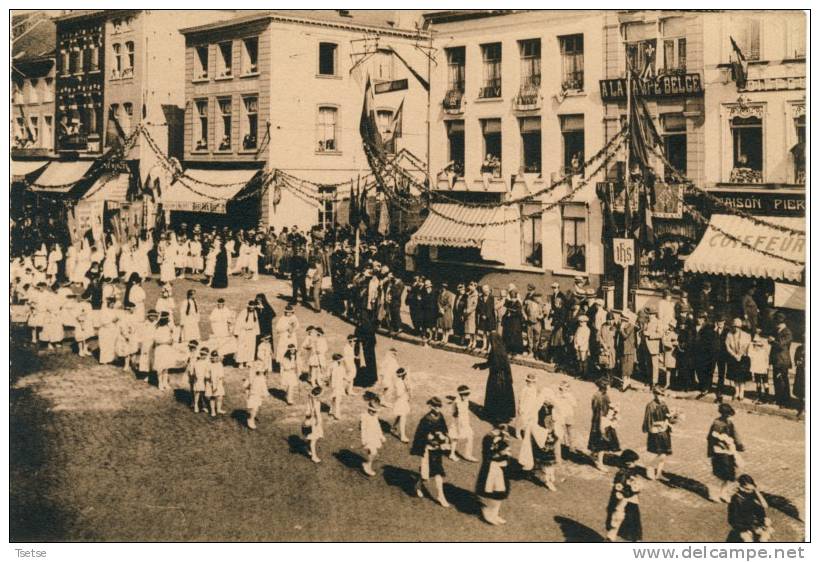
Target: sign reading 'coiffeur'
664 86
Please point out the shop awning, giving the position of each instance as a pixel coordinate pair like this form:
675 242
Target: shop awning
719 254
108 187
20 169
205 191
61 177
460 226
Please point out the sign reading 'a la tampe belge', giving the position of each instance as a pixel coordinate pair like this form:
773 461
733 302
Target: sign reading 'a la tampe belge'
663 86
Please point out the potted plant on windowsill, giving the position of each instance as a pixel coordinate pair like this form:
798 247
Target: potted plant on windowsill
201 144
225 143
249 142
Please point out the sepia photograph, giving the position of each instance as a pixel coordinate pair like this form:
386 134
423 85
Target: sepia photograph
408 275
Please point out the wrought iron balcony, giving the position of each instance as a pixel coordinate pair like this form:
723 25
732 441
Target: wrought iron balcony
453 101
529 96
76 141
490 91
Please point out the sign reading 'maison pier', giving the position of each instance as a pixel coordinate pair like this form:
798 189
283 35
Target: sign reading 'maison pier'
664 86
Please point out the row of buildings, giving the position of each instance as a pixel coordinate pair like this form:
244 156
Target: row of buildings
496 105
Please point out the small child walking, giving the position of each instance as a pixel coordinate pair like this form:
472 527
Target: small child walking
312 427
197 375
256 391
350 356
215 384
372 435
401 404
759 364
288 368
338 381
463 431
264 354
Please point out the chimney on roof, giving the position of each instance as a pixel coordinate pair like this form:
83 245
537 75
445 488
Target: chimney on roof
344 13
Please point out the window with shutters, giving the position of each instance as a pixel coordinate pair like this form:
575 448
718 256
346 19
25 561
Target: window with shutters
201 125
201 63
327 123
225 123
572 62
250 56
250 122
491 56
224 60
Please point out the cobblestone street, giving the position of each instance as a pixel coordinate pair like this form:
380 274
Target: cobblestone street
112 458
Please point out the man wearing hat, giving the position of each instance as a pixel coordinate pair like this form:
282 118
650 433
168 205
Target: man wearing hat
298 275
781 359
533 315
651 347
701 351
395 292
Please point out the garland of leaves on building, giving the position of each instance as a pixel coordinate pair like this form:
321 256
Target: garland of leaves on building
549 206
690 185
385 165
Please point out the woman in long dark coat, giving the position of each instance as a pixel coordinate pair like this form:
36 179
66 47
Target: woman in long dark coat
459 303
499 400
265 314
623 515
493 484
513 324
220 279
366 337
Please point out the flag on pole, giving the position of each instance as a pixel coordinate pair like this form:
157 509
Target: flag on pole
740 66
394 129
368 127
642 135
384 217
364 218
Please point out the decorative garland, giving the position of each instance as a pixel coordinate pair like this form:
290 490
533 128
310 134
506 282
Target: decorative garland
697 215
731 210
564 179
545 208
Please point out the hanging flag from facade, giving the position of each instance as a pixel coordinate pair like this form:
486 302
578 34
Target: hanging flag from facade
384 218
364 218
642 135
740 66
368 127
352 209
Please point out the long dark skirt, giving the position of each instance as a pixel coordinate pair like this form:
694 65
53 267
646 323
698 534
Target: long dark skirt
659 443
631 529
513 332
366 376
435 463
724 467
606 440
220 279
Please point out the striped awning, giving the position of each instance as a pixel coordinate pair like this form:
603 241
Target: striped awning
205 191
20 169
461 226
109 187
721 252
61 177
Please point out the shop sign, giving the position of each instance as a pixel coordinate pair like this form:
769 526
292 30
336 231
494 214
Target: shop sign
662 86
196 207
392 86
764 203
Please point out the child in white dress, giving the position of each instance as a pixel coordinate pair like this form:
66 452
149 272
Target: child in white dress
84 329
256 391
147 334
312 427
528 404
108 332
401 404
338 380
463 430
246 330
564 415
189 317
53 332
372 436
264 354
215 384
165 303
288 370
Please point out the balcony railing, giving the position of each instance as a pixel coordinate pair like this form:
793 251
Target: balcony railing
745 175
529 96
76 141
452 102
573 82
490 91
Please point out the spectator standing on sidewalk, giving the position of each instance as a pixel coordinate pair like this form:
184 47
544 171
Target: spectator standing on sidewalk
781 360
